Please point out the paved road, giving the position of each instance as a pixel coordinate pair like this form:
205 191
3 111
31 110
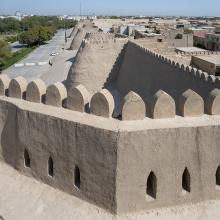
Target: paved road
58 72
37 63
42 54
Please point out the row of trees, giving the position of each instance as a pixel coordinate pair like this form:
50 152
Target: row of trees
11 25
33 30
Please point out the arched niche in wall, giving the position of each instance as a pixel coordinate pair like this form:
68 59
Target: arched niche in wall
217 178
27 161
186 182
151 188
50 167
77 179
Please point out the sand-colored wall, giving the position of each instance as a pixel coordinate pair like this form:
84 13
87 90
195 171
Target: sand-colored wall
94 63
146 73
114 157
167 152
209 67
70 144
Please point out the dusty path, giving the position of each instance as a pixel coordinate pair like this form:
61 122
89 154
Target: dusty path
23 198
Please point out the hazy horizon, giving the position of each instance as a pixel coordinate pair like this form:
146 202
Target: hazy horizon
113 7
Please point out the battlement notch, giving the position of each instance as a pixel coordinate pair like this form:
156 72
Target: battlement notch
78 98
56 94
17 87
133 107
212 104
102 104
190 104
4 84
162 106
36 90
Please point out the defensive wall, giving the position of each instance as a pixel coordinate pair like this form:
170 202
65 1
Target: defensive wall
94 61
198 53
162 151
146 72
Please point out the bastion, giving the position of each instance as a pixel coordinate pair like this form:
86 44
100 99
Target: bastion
145 135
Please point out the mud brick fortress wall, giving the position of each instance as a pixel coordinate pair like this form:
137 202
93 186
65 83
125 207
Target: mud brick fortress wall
149 138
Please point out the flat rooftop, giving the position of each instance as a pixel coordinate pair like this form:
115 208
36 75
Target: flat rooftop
215 59
189 49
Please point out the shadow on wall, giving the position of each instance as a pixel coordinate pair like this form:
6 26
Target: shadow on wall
109 84
116 68
145 74
9 137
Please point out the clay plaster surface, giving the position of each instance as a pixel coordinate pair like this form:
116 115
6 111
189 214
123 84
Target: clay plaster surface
23 198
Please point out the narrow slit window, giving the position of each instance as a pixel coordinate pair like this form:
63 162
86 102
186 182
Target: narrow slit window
77 177
151 189
186 181
50 167
217 178
27 161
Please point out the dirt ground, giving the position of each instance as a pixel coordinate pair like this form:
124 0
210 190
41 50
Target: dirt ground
23 198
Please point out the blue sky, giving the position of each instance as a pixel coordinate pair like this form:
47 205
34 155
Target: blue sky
113 7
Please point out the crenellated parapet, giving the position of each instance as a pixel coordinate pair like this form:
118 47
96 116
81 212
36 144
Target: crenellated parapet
212 104
102 104
194 73
198 53
97 38
190 104
78 99
133 107
4 84
18 87
36 91
162 106
56 94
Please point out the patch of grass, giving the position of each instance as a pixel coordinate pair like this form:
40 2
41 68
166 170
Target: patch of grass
17 56
4 36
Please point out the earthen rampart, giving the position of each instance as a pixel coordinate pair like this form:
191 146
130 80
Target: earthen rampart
160 149
146 72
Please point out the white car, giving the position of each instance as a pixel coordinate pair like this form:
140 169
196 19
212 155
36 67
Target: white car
54 54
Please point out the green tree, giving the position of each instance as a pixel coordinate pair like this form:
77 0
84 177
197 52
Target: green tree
9 25
36 35
5 52
44 34
28 37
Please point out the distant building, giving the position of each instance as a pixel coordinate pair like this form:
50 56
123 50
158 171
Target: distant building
18 16
213 42
129 29
209 41
77 18
209 64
